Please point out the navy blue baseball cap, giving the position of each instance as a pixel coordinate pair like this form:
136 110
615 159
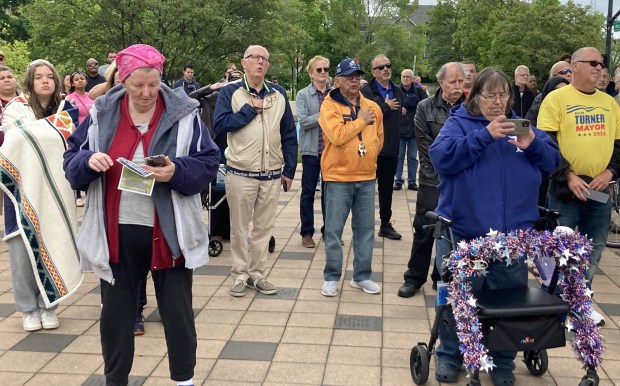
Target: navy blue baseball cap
348 66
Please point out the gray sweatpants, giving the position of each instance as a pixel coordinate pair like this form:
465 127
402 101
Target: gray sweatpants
27 295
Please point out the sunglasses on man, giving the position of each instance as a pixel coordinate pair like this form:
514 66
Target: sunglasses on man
592 63
564 72
381 67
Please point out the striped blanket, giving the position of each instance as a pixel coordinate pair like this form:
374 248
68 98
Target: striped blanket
32 176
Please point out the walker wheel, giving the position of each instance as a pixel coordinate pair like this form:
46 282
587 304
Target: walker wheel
536 361
272 244
215 247
418 362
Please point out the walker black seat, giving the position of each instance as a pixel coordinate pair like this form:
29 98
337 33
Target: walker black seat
516 302
521 319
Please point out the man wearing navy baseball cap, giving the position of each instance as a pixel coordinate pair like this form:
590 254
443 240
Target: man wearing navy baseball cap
353 134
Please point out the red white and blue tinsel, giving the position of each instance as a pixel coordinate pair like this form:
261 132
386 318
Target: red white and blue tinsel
569 248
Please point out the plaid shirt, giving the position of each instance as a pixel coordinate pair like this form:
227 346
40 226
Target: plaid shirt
321 96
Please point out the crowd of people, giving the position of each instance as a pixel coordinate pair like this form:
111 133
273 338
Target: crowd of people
355 134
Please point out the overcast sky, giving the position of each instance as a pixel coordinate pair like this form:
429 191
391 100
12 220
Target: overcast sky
600 5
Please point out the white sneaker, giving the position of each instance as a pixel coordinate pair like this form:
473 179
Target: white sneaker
597 318
368 286
49 321
330 288
31 321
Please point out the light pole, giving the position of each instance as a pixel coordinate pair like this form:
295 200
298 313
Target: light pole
610 23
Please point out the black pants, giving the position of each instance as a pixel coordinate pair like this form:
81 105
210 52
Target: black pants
386 169
173 290
422 247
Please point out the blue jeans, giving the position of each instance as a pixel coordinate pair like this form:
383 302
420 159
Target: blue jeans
593 220
309 178
359 199
499 276
412 160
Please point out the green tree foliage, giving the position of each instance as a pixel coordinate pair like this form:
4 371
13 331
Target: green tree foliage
507 33
205 33
441 27
211 33
17 56
13 24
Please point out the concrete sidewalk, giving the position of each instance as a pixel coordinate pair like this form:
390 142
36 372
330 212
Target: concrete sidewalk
295 337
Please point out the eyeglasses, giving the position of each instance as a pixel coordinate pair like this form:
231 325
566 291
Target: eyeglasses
522 74
352 76
381 67
92 64
564 72
257 57
494 97
321 70
592 63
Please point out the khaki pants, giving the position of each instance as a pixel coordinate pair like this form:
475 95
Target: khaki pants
251 200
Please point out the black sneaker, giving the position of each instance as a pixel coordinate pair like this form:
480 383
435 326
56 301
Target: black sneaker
389 232
398 186
412 187
407 290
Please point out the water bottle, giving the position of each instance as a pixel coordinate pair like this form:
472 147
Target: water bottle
442 293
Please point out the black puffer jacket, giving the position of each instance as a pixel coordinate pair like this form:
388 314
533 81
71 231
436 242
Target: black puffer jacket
429 119
391 118
411 98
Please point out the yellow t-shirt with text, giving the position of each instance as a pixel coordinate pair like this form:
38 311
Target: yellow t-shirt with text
586 126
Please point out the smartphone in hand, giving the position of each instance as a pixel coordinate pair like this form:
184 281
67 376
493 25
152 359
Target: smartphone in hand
284 185
156 160
522 126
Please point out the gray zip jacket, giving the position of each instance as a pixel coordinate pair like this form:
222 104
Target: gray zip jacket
180 135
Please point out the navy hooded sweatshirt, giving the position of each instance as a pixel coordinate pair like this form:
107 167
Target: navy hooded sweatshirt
486 183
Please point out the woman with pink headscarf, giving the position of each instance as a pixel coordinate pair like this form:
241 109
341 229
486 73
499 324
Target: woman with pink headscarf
134 223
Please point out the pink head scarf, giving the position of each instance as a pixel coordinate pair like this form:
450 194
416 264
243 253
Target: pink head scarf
138 56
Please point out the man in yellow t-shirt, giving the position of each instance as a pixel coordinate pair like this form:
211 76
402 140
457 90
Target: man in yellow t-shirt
586 124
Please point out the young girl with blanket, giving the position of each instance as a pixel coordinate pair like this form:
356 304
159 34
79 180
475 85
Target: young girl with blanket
36 251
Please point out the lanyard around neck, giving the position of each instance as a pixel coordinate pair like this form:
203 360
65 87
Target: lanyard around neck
246 85
354 110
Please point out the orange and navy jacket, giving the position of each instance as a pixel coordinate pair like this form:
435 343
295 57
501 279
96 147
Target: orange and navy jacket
343 132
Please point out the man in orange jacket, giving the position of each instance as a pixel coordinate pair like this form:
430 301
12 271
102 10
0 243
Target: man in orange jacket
353 134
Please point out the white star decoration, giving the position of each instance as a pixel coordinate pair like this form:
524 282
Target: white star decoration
472 301
486 363
492 233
